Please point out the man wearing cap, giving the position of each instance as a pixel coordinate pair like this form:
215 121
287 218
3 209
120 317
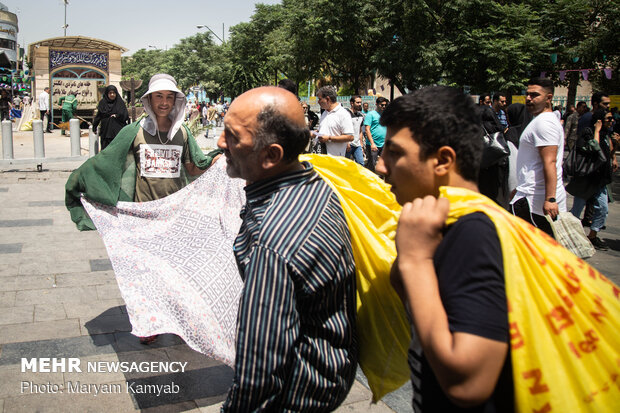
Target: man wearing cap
162 155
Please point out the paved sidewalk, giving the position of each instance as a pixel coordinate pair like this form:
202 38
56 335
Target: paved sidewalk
59 298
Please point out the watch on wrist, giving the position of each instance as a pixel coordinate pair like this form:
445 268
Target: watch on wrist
552 199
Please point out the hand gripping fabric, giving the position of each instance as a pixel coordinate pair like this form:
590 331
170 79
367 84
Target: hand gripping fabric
564 317
372 213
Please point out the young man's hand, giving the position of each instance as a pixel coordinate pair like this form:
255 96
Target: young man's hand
419 229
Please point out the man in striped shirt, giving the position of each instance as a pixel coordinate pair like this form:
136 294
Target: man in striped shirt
296 346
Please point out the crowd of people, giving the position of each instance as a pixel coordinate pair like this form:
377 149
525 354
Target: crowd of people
296 347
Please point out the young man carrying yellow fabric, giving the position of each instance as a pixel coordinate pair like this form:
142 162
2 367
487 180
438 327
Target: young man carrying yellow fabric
487 292
452 280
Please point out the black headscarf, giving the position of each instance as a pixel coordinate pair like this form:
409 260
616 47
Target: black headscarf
110 126
109 107
518 118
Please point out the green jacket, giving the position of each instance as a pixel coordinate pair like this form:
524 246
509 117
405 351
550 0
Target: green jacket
68 103
110 176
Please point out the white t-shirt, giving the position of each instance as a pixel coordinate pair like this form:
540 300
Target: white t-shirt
544 130
44 101
336 122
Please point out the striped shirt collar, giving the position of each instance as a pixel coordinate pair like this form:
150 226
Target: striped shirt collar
265 187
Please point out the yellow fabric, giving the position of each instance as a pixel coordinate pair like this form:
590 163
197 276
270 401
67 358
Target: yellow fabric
563 314
372 214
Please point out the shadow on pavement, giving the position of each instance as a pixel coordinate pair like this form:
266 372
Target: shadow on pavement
204 382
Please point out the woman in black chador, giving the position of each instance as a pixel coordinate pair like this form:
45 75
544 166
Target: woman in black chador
111 117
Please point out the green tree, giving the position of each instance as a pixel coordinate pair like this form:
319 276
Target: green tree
142 65
584 36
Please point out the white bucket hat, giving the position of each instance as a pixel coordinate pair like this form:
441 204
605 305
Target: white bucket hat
162 81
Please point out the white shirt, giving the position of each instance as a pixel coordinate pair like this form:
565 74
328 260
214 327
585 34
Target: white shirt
335 123
44 101
357 127
544 130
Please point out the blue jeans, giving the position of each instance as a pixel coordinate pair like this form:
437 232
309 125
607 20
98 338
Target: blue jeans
600 208
355 153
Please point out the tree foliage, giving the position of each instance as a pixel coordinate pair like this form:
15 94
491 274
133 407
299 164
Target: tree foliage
485 45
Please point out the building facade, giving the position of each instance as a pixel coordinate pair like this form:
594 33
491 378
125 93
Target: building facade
77 65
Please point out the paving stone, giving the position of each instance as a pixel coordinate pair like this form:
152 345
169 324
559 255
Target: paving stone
8 270
105 324
211 404
88 278
8 284
93 309
69 267
100 265
49 312
11 248
11 378
185 407
4 189
7 298
17 315
58 295
83 346
34 267
364 406
16 333
46 203
34 282
12 223
108 291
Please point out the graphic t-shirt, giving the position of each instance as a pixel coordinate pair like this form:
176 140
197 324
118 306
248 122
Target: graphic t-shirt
159 165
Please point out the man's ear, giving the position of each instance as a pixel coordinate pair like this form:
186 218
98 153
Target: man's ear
445 160
272 155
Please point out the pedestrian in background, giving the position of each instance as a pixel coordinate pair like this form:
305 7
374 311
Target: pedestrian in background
112 116
44 108
69 105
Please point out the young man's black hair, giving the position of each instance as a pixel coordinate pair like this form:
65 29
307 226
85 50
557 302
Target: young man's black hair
437 117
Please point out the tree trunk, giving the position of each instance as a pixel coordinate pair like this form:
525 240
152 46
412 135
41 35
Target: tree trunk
573 82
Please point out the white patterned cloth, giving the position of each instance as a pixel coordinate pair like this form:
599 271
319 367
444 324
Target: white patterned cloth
174 262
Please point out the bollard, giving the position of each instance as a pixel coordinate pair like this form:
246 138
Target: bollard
7 139
74 128
93 142
37 135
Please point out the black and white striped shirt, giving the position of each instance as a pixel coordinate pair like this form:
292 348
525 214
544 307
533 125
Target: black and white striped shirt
296 345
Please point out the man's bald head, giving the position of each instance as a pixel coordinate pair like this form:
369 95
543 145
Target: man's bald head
281 100
275 117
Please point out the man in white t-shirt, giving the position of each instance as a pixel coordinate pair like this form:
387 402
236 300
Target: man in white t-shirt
335 125
540 190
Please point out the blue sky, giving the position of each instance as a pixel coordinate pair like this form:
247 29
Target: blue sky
133 24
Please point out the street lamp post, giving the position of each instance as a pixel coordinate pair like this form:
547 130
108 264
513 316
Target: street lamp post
65 25
221 39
